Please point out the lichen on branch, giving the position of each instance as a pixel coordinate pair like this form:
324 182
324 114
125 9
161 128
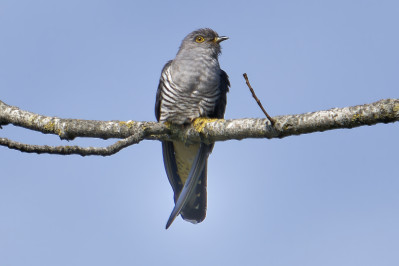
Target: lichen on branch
202 130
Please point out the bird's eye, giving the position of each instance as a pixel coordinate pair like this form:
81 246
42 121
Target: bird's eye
199 39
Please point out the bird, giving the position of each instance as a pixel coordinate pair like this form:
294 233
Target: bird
191 86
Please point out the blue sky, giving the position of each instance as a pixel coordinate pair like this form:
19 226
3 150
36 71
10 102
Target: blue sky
327 198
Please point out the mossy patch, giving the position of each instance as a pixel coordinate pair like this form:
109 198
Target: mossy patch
129 124
50 126
200 123
356 117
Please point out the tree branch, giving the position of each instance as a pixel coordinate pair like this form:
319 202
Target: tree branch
67 150
205 130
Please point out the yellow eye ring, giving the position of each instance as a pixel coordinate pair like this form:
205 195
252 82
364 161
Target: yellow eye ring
199 39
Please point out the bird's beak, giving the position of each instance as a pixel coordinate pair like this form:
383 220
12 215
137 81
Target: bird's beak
220 39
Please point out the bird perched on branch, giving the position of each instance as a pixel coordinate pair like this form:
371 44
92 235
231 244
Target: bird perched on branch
191 86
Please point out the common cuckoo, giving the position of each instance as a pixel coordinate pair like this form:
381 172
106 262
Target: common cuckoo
192 85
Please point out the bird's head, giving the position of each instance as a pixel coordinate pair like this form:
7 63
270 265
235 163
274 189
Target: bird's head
202 41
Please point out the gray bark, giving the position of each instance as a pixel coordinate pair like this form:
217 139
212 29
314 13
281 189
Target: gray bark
205 130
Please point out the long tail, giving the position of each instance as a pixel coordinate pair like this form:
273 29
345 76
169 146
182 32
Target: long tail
198 169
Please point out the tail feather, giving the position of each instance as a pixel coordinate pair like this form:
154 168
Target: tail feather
186 170
195 209
175 157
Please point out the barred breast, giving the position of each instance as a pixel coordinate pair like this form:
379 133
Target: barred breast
188 93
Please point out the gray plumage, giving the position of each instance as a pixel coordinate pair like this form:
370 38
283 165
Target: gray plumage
191 86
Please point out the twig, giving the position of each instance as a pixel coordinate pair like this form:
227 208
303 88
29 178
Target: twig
257 100
67 150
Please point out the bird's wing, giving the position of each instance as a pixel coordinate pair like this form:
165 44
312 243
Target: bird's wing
158 99
194 175
220 105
